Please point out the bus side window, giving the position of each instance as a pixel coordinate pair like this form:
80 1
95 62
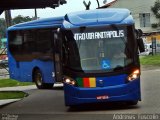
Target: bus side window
29 42
15 42
43 42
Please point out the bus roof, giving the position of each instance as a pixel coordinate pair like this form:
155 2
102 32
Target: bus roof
41 23
82 18
99 16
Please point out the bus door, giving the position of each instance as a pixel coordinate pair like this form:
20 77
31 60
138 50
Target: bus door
57 55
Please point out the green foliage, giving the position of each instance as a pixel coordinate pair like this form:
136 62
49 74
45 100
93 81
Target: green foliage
18 19
12 83
156 11
12 95
154 25
21 19
151 60
2 28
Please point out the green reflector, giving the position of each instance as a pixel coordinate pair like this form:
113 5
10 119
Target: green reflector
80 82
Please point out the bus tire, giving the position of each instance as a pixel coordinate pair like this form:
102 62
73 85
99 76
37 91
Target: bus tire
132 102
38 79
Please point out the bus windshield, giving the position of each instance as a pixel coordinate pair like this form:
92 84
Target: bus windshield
99 49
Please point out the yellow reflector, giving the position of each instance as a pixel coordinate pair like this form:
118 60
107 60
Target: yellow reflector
92 82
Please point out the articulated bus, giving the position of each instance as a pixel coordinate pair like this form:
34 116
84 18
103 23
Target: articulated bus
94 53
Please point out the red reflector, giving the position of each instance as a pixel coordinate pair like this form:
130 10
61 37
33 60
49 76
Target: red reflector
102 97
86 82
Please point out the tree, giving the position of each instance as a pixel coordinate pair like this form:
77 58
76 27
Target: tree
21 19
156 11
16 20
2 28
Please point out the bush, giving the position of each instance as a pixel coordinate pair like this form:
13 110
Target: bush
154 25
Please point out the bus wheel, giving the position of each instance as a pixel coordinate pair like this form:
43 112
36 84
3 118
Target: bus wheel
132 102
38 79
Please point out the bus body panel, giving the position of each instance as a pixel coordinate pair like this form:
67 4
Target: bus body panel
98 17
14 72
123 92
23 71
39 24
114 88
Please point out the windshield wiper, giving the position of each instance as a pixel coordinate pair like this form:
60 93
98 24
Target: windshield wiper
118 67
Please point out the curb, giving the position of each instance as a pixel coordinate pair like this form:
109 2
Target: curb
19 88
7 101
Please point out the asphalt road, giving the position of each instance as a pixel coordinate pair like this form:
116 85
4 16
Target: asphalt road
49 104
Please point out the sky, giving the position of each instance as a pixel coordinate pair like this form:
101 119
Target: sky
71 6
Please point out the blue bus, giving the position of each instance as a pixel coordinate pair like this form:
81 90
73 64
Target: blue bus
94 53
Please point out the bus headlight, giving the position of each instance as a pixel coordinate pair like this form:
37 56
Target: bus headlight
69 81
134 75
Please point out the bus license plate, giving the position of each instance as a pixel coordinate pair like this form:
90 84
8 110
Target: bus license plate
102 97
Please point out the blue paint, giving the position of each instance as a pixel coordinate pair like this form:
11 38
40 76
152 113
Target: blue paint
120 92
24 71
98 17
37 24
105 64
114 86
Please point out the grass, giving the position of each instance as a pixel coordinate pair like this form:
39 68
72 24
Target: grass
150 60
12 95
13 83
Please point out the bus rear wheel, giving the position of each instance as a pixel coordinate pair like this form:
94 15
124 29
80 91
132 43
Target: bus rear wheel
38 79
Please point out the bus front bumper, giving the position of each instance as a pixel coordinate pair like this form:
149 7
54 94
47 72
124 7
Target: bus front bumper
124 92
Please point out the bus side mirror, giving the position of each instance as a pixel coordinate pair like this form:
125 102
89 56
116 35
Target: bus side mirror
139 33
141 45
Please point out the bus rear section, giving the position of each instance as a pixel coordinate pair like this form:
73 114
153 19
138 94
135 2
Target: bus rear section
31 50
100 58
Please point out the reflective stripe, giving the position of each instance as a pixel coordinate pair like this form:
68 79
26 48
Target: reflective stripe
86 82
79 82
92 82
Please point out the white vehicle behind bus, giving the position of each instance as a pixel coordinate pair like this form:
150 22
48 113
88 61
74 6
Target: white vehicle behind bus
148 49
